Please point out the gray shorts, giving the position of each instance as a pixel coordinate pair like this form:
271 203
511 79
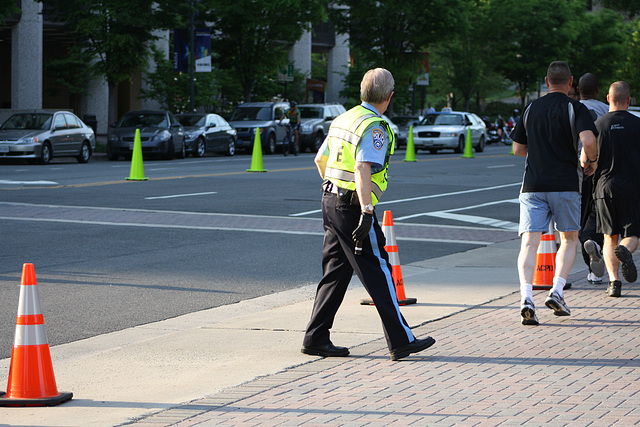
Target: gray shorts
537 209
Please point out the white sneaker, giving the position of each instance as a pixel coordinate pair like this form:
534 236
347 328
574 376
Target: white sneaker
592 278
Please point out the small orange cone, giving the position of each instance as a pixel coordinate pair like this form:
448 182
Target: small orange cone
396 272
545 262
31 379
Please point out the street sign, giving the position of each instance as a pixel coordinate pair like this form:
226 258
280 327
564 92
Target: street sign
286 74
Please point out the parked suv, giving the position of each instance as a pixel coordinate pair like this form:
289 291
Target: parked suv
263 115
315 122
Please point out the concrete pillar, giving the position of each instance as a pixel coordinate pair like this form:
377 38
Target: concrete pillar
300 54
97 104
337 68
26 58
162 43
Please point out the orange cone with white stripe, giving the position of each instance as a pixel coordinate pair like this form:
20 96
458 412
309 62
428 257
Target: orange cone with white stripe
396 271
545 262
31 378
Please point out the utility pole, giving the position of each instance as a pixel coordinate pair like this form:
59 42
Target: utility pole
192 55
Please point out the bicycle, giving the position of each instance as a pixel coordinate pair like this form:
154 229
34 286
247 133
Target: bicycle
289 140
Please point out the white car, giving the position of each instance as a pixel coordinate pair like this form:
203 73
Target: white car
394 128
442 130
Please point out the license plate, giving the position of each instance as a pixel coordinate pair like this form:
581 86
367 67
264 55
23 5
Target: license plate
4 148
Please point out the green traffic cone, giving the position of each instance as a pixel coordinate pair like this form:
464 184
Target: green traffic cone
256 156
137 168
410 156
468 148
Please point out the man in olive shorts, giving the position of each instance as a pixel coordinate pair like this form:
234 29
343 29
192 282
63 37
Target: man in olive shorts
547 136
617 193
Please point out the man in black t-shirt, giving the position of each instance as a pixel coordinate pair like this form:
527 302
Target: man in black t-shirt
547 135
617 192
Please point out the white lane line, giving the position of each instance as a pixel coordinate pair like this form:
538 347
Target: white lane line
28 182
181 195
500 166
473 219
250 230
432 196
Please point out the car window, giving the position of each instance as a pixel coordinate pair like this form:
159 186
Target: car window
72 122
310 112
278 113
143 119
191 120
59 121
251 113
444 119
37 121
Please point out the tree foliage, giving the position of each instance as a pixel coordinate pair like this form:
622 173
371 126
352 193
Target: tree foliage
253 37
8 8
114 33
393 34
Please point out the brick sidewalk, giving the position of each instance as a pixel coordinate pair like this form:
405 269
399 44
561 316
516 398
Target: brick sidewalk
485 369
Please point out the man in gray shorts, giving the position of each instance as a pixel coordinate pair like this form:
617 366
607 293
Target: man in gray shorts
617 193
547 136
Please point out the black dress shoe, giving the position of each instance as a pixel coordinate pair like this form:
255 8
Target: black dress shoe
413 347
327 350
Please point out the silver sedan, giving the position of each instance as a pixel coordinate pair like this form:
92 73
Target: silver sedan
42 135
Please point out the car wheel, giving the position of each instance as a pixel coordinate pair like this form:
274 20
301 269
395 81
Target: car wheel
433 151
111 155
183 152
271 144
171 151
460 148
480 146
201 148
318 140
85 153
45 154
231 148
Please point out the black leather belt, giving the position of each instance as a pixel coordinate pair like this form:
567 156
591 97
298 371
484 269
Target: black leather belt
343 194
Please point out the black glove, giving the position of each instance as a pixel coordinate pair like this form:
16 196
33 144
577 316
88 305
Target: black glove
362 231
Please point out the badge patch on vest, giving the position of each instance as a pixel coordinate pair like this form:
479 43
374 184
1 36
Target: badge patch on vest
378 139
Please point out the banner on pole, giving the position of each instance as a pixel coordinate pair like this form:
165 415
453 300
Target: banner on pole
202 50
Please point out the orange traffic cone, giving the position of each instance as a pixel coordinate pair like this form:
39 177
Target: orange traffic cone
396 272
31 379
545 262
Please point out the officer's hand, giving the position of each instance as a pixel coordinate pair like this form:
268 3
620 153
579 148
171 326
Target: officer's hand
362 231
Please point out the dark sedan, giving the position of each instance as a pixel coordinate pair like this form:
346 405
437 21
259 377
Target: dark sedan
42 135
207 133
160 133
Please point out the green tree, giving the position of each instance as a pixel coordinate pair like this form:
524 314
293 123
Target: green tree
630 8
526 36
599 47
253 37
393 34
8 8
116 34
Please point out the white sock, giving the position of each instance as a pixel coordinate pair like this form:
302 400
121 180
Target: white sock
526 291
558 285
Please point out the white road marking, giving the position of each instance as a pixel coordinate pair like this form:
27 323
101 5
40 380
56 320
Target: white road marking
181 195
432 196
474 219
28 182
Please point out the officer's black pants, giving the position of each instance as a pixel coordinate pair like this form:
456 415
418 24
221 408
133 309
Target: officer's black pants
338 264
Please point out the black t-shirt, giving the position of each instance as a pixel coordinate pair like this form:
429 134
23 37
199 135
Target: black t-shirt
552 162
618 174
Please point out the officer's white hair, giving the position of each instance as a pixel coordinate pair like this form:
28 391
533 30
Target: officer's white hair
376 86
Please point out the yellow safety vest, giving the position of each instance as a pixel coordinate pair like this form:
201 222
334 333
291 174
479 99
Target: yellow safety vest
344 135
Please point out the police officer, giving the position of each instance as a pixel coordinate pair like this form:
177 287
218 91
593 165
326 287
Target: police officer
353 162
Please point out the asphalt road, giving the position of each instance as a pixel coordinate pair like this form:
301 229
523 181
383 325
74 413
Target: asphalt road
202 232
